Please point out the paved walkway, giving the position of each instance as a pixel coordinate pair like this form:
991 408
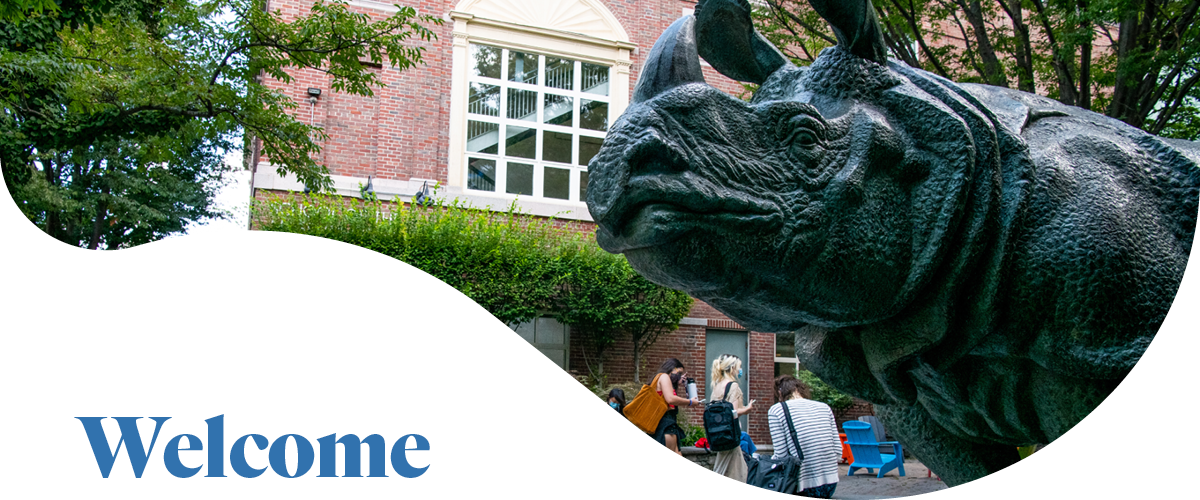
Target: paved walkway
864 486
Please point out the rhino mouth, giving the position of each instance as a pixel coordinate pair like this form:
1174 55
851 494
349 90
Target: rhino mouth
660 209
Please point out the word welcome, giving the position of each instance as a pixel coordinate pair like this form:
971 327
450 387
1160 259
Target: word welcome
352 446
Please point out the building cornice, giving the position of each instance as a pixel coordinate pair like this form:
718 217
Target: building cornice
564 35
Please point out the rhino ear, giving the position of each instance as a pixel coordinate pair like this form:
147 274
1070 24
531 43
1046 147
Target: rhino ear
726 38
856 26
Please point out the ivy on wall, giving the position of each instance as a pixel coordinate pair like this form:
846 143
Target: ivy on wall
518 267
823 392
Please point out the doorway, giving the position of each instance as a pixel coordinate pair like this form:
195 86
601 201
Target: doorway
718 342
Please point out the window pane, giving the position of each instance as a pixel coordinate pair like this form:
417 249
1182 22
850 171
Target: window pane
559 110
481 174
485 61
525 330
588 147
595 78
520 179
550 331
522 67
785 345
560 73
557 183
785 369
556 146
583 186
483 137
520 142
593 115
522 105
485 99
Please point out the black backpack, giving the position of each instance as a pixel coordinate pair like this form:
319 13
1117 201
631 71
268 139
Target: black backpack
721 425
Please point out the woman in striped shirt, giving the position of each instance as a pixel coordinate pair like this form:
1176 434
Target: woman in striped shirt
815 429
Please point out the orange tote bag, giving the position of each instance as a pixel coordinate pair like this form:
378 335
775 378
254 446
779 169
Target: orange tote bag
647 408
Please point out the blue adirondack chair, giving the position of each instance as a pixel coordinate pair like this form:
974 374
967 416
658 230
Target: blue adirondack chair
866 450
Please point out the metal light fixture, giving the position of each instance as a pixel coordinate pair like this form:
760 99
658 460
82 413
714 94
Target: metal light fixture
422 197
367 190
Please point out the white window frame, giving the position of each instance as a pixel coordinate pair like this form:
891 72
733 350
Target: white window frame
469 29
538 124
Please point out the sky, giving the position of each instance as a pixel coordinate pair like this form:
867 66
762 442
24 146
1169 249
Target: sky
234 197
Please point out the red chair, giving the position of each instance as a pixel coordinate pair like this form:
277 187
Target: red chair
847 456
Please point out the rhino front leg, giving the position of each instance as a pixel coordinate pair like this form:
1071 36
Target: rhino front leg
953 459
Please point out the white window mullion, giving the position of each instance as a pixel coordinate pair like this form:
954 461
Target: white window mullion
538 171
501 176
573 185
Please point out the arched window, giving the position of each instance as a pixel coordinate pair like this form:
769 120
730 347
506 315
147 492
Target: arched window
536 84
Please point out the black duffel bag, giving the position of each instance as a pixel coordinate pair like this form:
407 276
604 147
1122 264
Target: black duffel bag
777 474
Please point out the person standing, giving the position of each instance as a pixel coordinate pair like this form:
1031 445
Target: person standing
726 369
668 432
616 399
816 431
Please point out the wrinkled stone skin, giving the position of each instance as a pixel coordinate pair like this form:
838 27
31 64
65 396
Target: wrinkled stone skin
983 264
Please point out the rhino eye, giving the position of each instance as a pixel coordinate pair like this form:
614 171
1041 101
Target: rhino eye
805 138
806 131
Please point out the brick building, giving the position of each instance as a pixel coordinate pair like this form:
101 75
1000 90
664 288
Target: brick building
514 98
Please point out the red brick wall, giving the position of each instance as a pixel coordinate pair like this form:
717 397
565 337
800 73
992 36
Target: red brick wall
860 408
688 345
403 131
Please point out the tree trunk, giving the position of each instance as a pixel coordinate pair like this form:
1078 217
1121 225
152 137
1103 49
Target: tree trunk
993 71
1024 48
637 360
910 15
101 217
1085 62
1066 82
53 221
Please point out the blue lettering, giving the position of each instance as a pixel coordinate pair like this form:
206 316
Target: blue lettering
353 448
277 451
304 455
129 434
237 455
400 459
171 456
216 446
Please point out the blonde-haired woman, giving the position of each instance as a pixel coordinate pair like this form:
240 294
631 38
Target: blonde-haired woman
725 372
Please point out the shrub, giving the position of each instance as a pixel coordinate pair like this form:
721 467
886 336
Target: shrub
517 266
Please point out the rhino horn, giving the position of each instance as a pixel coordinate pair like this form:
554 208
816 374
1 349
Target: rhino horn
673 61
727 40
855 25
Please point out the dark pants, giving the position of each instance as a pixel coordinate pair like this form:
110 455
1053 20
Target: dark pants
822 491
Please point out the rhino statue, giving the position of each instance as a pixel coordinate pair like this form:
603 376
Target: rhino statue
982 264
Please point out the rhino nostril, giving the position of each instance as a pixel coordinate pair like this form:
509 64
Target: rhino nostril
657 165
656 157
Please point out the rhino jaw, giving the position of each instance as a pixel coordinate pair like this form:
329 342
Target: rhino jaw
658 208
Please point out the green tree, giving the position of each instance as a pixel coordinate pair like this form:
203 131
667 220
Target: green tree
16 10
607 300
103 101
1135 61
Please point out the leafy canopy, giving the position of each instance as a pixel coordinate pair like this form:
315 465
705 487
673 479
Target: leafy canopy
94 93
1138 62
